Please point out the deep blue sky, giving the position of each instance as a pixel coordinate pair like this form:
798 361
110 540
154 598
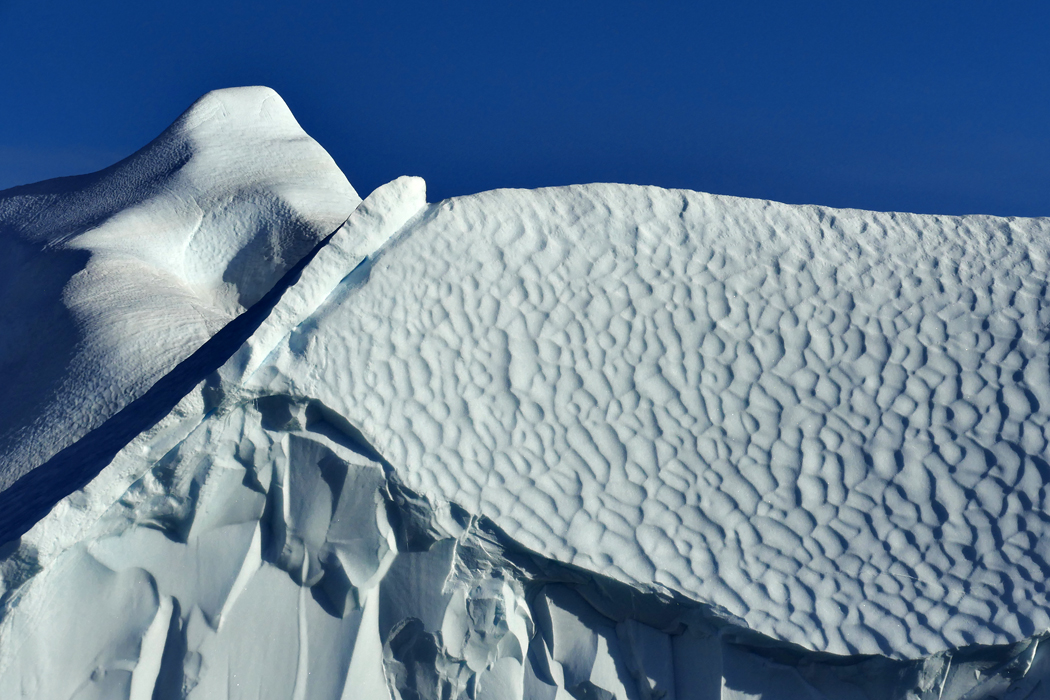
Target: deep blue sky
927 105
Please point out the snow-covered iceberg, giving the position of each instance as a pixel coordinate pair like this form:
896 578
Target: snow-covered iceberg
110 280
600 441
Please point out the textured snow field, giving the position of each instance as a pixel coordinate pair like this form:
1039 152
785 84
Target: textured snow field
829 423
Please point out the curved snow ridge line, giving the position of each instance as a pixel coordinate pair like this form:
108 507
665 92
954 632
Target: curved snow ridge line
375 221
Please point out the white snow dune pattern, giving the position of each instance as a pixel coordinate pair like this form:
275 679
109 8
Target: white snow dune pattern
830 423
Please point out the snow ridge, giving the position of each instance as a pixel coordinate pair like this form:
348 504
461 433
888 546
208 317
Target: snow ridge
373 222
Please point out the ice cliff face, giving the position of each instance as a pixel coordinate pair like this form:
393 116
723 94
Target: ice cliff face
591 442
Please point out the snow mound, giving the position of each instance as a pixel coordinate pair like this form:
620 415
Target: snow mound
109 280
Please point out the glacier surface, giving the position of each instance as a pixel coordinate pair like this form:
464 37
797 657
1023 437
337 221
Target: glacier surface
600 441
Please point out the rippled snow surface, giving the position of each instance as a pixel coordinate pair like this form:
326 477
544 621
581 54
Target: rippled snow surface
830 423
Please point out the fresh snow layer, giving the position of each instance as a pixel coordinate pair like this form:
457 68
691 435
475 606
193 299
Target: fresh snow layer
109 280
593 442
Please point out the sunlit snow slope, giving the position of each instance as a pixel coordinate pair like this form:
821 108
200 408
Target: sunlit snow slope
829 423
109 280
599 441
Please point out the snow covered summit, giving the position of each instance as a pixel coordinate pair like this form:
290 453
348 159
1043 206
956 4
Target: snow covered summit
592 441
111 279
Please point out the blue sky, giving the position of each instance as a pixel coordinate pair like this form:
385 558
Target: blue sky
928 106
